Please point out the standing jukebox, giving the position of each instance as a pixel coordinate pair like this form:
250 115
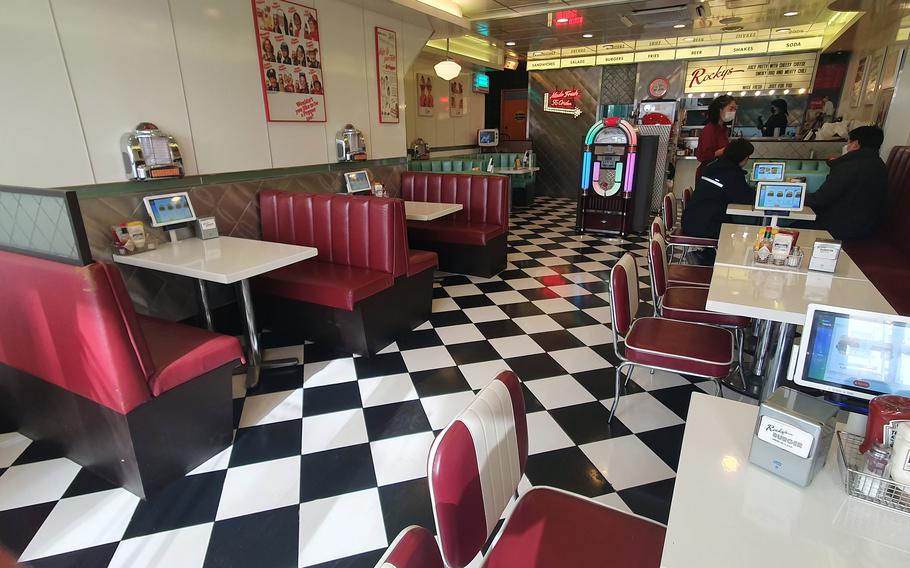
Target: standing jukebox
617 172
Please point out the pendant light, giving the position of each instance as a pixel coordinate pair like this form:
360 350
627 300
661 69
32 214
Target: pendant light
447 68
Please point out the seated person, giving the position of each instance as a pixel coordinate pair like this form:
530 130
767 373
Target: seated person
851 202
723 181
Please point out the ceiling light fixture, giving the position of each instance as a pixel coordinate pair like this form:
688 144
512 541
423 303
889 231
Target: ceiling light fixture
802 91
786 91
791 13
447 69
510 43
742 93
732 28
679 26
782 30
562 20
688 39
771 92
587 35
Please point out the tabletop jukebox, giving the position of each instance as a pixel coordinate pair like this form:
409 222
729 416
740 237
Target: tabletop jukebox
149 153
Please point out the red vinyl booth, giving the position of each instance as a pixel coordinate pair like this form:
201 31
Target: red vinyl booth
885 259
473 240
137 400
363 289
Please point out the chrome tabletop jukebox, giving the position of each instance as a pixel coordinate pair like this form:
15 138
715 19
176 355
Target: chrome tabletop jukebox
350 144
149 153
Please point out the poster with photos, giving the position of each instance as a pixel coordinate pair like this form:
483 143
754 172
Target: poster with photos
859 78
875 71
387 74
456 97
290 61
425 106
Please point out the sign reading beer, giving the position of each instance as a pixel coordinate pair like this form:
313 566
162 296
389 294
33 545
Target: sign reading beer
751 74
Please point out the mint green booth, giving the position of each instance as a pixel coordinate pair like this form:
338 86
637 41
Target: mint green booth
815 171
522 184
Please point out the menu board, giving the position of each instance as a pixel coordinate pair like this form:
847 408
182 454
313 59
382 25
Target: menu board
290 61
751 74
387 74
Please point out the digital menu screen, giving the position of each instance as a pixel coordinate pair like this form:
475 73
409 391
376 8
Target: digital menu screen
780 196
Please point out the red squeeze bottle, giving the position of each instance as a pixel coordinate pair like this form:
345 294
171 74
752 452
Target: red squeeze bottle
885 412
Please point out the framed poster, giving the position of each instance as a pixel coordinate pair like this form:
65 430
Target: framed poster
425 105
856 88
891 67
456 97
387 74
875 71
290 61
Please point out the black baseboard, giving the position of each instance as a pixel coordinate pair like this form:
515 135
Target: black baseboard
486 261
154 444
372 325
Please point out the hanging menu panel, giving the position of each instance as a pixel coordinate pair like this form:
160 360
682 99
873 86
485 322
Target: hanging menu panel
751 74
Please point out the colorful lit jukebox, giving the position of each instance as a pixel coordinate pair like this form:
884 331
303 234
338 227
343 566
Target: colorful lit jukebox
616 161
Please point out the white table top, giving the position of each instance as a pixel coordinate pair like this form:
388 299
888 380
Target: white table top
807 214
785 297
427 211
521 170
727 512
735 249
224 260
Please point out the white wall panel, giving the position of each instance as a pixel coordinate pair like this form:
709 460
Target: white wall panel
442 129
41 142
122 62
344 68
298 144
386 139
216 46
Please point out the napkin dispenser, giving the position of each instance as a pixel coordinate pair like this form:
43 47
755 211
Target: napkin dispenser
824 255
793 435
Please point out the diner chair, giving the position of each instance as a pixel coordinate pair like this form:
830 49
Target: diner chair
475 465
682 274
676 240
686 196
414 547
687 303
690 348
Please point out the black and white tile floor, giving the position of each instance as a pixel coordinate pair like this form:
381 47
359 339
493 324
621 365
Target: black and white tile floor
329 459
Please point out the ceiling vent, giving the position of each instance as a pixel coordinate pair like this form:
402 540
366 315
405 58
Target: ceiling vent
661 14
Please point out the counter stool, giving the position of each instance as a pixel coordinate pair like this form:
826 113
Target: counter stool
682 274
674 235
475 466
687 303
656 343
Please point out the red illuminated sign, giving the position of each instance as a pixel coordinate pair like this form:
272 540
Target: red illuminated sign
562 101
567 18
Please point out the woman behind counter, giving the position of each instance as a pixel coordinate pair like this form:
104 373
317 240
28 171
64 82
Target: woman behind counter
777 124
714 136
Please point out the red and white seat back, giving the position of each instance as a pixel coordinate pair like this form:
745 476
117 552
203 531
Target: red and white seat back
687 195
669 211
414 547
624 293
474 468
657 227
657 258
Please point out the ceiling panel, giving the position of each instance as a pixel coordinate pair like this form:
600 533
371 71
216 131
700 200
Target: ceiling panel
530 23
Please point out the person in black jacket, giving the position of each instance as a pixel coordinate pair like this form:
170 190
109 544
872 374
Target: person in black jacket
722 182
851 202
778 120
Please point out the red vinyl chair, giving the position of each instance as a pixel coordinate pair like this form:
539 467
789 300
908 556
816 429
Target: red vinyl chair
687 195
656 343
674 235
682 274
474 469
687 303
414 547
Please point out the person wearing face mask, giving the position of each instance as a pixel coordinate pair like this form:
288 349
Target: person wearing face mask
715 136
777 124
722 182
851 201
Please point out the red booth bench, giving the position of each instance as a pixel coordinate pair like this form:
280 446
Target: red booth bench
136 400
364 288
885 259
473 240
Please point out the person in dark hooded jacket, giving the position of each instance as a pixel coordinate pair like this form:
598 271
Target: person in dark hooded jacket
722 182
852 201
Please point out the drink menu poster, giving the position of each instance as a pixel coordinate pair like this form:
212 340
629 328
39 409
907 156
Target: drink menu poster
387 74
290 61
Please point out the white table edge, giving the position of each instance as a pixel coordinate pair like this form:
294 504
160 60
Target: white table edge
455 207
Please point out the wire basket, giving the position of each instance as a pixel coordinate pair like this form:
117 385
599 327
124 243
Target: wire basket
866 486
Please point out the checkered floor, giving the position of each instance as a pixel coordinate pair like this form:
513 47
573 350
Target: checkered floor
329 459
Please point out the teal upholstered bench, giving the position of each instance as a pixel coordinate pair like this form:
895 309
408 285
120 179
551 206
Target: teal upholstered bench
815 171
522 184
